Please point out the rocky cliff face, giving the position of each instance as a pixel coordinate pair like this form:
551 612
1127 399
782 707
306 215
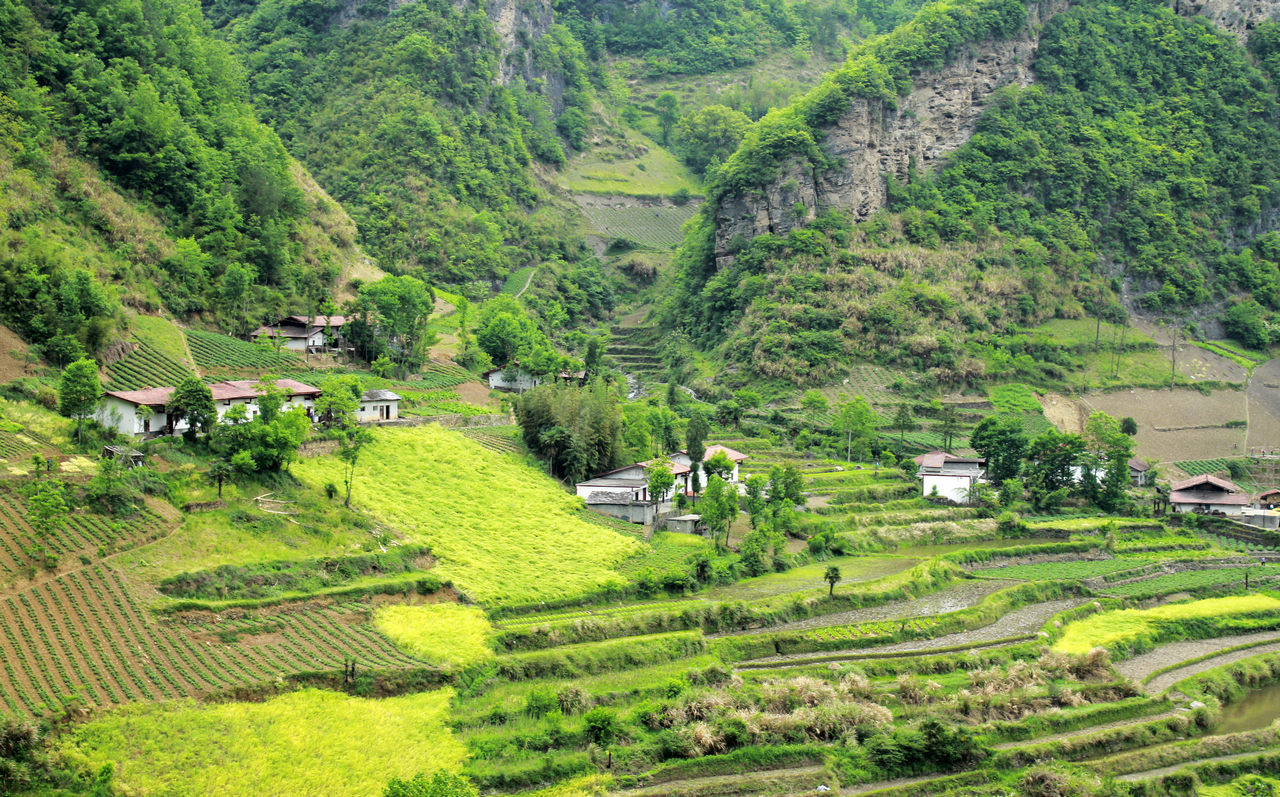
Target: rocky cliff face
518 23
1238 17
873 140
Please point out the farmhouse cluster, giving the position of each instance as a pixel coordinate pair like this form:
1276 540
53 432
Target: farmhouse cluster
302 333
624 492
145 413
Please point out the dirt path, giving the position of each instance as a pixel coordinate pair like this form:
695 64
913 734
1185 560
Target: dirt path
1018 622
951 599
1141 667
708 786
1084 731
1156 773
527 283
868 788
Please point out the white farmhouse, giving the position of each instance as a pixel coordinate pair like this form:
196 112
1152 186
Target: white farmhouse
737 458
377 406
512 378
624 492
1206 494
303 333
145 412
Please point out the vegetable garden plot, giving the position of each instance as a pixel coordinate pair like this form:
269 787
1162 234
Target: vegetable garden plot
212 350
85 633
656 227
145 367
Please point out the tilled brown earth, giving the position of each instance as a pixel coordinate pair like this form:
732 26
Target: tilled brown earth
1140 667
1027 620
951 599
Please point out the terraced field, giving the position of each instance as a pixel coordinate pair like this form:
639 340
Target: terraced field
85 634
651 226
145 367
220 352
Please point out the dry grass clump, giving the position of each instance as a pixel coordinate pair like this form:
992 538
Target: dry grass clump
855 684
913 693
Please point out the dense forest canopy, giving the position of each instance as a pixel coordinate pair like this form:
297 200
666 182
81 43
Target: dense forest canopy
142 92
404 118
1126 171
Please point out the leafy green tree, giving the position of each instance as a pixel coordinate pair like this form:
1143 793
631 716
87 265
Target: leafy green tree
442 783
192 400
856 422
660 480
219 471
339 402
815 405
1107 451
729 411
351 442
832 577
720 465
668 106
709 135
395 312
1002 441
757 504
79 392
46 513
1050 459
948 425
718 509
1129 426
695 435
111 490
786 485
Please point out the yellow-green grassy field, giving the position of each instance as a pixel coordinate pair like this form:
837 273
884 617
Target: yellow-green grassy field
445 634
297 745
504 532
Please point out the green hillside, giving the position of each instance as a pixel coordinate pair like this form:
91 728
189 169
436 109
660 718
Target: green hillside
1147 142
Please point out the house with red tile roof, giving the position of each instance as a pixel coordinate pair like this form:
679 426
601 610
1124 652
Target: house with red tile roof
1207 494
145 412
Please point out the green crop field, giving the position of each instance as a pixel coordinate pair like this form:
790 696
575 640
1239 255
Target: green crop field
504 532
213 351
145 367
161 335
1197 467
304 743
1081 333
438 402
1066 571
436 376
1014 397
637 167
1108 628
516 280
1193 580
654 227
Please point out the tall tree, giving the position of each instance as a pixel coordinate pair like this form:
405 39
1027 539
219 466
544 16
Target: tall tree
660 480
1002 441
351 442
79 392
718 509
856 421
832 577
695 436
192 401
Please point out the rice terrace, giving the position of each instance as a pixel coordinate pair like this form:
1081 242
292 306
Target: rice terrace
639 398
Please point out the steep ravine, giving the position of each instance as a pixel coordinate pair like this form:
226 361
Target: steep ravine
873 139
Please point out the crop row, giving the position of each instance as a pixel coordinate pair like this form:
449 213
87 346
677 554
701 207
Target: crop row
657 227
145 367
84 634
436 376
1192 580
1197 467
499 439
1063 571
552 618
16 445
212 350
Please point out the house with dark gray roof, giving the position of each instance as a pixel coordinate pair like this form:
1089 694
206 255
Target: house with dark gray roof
377 406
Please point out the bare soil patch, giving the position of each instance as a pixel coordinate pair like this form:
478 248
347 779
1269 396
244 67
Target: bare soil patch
476 393
1157 410
13 350
1065 413
1140 667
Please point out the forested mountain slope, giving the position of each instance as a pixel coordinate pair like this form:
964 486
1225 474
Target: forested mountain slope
428 122
1086 160
130 159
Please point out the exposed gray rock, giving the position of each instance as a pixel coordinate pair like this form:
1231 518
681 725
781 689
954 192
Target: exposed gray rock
873 140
